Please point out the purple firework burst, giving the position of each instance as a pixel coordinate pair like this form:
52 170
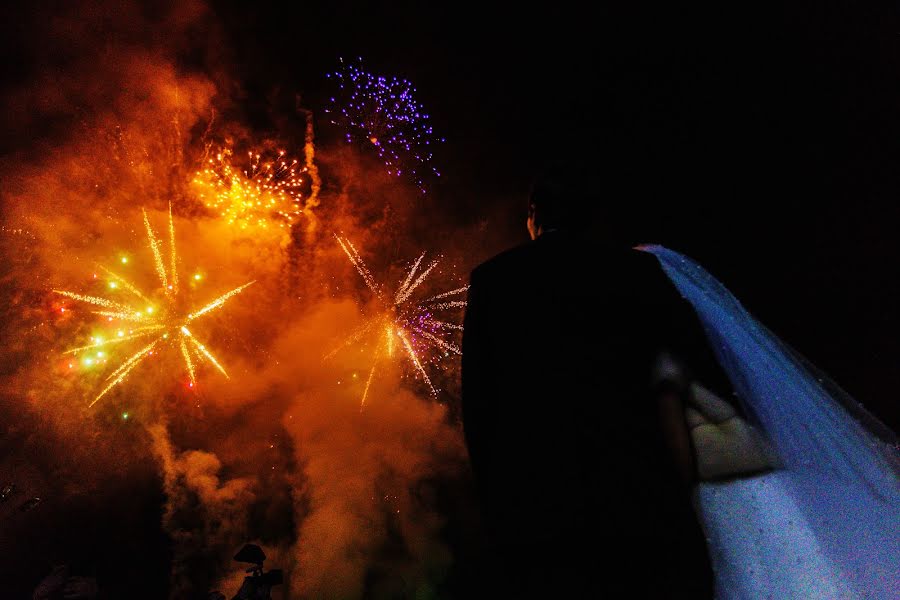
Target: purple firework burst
382 113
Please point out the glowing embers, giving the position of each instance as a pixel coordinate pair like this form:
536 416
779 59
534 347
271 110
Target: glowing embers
266 192
157 319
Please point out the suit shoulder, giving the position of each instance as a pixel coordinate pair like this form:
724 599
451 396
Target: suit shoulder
640 275
505 261
646 263
650 275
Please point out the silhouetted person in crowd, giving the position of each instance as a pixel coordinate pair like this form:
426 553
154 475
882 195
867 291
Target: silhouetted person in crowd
576 434
60 584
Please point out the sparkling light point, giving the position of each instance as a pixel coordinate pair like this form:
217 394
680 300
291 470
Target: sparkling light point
266 192
382 113
170 320
412 322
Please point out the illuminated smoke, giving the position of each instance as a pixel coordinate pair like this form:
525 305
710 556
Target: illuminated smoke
163 320
280 452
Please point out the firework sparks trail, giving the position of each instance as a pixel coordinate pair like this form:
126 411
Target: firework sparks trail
116 340
443 325
406 293
409 277
173 255
157 253
453 304
441 343
267 191
119 308
111 314
119 374
204 351
411 321
218 301
384 114
357 262
167 322
355 336
362 402
465 288
188 361
412 355
124 283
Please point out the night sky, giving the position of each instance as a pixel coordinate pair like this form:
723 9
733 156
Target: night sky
761 140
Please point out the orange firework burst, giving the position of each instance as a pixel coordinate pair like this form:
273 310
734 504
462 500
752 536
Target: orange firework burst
406 324
163 321
267 191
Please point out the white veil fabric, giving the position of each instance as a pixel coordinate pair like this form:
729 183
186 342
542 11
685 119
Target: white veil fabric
826 522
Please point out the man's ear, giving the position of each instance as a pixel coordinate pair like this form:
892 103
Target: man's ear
531 222
534 215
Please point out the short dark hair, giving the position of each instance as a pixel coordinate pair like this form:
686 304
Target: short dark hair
564 195
595 195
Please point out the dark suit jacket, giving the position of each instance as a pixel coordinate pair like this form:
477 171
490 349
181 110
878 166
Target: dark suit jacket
562 423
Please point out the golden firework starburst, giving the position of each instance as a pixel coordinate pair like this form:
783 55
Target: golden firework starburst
266 192
163 322
408 324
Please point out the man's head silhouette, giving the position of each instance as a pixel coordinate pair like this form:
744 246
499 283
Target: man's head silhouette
598 196
562 197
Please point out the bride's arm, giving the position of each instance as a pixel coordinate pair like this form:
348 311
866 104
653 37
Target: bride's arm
706 436
725 445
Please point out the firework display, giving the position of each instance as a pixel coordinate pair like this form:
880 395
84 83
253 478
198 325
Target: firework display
382 113
266 192
158 320
126 361
405 326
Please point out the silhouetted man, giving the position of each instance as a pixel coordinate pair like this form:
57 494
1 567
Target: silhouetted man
577 440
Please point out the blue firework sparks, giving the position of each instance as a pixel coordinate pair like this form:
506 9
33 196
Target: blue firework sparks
383 114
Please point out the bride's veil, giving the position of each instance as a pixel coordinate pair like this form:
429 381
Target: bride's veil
840 463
